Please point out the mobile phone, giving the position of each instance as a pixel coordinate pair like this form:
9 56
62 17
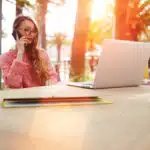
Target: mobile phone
15 34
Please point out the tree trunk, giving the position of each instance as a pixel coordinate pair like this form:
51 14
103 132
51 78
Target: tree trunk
59 52
41 20
123 30
80 37
18 9
58 65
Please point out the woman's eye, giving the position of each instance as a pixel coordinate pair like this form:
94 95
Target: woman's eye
26 30
33 31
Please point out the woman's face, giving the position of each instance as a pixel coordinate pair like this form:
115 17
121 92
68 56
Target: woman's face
27 29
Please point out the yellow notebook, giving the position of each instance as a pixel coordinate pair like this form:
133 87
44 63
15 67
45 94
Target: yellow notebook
58 101
146 73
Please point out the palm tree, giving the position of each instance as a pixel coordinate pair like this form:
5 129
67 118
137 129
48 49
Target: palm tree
20 4
57 39
41 10
122 31
79 45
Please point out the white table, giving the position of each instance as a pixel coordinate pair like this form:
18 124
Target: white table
123 125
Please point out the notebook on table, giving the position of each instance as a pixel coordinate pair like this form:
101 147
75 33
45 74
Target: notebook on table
121 64
53 101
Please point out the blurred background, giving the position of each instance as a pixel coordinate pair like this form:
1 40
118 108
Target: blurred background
72 31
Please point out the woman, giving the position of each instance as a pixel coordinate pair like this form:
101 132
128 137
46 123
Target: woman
26 65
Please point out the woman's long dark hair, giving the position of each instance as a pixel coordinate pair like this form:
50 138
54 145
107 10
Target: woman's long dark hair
39 65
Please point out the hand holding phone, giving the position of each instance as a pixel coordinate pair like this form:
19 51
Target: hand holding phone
20 43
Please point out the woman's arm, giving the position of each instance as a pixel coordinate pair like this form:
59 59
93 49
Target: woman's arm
12 70
12 67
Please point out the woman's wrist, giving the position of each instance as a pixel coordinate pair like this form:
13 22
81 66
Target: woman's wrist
19 56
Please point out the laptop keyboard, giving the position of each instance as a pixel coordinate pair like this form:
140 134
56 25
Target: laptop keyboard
82 84
89 84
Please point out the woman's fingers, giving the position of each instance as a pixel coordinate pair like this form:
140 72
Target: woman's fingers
23 40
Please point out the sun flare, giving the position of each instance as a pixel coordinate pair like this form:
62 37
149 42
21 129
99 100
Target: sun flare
98 9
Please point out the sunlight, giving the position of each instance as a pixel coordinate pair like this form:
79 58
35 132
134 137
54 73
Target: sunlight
98 9
62 19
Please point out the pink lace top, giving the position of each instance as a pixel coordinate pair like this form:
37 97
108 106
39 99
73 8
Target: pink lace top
20 74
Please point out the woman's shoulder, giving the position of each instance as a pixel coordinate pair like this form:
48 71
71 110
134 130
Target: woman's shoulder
10 53
8 57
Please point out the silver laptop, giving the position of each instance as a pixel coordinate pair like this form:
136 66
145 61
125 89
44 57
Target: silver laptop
121 64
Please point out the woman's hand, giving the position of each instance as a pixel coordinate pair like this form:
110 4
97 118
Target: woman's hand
20 43
51 82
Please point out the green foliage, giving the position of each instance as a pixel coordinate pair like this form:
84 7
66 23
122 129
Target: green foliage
81 78
23 3
57 39
139 18
99 30
67 42
52 42
87 76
